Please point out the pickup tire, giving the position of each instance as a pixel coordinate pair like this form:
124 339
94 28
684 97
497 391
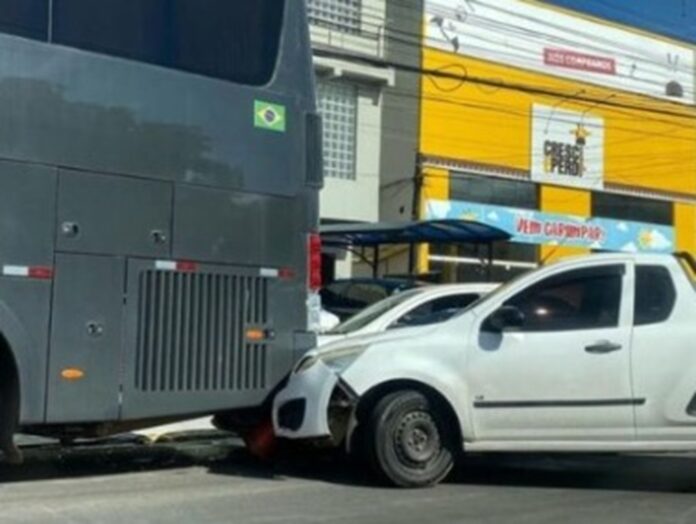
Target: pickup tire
407 440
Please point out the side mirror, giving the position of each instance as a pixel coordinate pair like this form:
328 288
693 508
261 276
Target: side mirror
505 318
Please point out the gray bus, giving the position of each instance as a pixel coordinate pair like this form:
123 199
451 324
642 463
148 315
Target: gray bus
160 163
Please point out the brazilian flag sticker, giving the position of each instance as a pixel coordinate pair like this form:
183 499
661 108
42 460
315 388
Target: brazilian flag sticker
270 117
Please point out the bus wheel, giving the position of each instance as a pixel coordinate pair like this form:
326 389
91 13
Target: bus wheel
9 415
408 442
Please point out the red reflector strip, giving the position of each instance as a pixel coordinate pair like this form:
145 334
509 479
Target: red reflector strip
187 267
36 272
314 262
171 265
286 274
41 273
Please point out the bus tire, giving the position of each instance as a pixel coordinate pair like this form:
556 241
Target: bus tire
408 442
9 407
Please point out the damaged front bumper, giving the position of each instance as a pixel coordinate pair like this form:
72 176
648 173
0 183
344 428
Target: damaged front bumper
315 405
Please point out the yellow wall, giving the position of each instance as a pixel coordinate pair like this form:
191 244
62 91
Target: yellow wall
462 120
685 222
567 202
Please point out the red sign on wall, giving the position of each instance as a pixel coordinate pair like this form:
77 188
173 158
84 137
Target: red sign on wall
579 61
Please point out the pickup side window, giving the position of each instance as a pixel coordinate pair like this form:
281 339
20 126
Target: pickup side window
365 294
655 295
576 300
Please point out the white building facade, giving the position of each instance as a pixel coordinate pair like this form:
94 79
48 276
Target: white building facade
350 98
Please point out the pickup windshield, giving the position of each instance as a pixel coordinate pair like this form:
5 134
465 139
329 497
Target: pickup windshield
373 312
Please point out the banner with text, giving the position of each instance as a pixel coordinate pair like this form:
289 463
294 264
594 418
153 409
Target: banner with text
535 227
533 37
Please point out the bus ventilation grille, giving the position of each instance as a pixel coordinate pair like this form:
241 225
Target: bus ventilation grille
191 332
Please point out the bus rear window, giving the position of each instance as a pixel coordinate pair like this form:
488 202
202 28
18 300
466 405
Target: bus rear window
24 18
235 40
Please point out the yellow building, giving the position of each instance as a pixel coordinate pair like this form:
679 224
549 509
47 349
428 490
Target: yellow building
569 132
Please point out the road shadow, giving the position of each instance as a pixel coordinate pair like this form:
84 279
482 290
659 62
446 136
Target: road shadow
654 473
297 461
650 474
226 455
118 456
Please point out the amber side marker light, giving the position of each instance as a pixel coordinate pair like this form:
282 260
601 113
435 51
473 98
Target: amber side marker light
72 374
255 335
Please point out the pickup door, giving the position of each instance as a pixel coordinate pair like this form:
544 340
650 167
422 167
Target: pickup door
565 373
664 353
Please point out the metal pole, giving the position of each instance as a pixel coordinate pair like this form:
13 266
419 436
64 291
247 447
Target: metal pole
375 262
415 209
412 258
490 262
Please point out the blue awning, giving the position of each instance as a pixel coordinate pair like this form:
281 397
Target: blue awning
422 232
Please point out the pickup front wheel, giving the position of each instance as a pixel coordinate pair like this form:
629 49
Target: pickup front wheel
407 440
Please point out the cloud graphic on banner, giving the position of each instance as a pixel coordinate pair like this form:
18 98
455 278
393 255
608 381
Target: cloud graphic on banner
654 240
493 216
439 209
630 248
660 241
622 226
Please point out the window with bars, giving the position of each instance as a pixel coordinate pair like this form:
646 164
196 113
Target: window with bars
338 105
342 15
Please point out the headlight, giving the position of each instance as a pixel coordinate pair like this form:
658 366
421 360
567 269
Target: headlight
305 363
340 359
337 360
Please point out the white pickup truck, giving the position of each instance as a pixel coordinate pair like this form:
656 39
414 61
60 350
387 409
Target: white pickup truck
595 354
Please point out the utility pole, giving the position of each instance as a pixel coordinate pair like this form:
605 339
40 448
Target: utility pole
415 209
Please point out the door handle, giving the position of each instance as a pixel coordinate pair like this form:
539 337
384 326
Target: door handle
603 347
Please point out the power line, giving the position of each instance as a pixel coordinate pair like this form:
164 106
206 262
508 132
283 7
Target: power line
416 44
493 83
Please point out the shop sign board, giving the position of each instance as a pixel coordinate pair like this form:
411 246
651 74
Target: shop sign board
567 148
534 37
534 227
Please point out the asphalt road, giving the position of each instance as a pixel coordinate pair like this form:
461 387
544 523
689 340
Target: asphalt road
200 482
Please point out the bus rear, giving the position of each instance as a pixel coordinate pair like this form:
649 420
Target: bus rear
160 163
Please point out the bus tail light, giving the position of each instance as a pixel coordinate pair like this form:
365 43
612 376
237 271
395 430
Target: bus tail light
314 262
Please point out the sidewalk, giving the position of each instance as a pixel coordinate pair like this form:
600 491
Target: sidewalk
186 428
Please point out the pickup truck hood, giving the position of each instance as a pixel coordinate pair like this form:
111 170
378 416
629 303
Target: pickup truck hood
325 340
375 340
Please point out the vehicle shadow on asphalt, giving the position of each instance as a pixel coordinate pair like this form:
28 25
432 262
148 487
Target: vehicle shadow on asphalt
227 456
114 457
666 474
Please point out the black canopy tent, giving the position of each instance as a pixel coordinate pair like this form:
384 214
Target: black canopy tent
374 235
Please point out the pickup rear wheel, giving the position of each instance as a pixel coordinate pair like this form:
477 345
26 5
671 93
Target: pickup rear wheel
408 442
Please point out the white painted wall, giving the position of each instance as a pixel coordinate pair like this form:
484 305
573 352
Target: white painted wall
357 200
370 41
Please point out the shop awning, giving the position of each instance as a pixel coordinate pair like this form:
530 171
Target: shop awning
421 232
